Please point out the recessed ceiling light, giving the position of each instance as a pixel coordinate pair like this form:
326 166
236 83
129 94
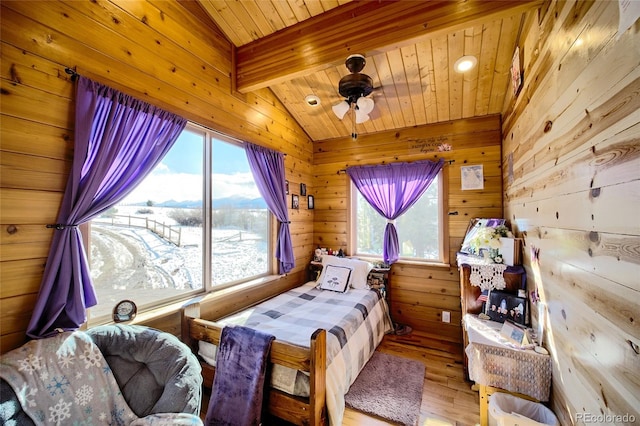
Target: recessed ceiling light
465 63
312 100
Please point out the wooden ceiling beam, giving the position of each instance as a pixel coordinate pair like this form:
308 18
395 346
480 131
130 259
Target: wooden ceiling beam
364 27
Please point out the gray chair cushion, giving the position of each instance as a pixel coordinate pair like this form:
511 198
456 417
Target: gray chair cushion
155 371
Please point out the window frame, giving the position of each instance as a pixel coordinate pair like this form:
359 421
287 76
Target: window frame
208 222
209 135
443 229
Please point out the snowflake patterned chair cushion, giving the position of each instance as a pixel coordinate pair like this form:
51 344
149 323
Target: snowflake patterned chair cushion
65 378
155 371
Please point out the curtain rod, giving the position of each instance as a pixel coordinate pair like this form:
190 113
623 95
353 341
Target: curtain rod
72 73
345 170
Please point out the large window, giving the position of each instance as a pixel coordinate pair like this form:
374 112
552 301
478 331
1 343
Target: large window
195 223
240 248
420 231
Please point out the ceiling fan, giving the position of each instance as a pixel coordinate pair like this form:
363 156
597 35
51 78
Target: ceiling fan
355 87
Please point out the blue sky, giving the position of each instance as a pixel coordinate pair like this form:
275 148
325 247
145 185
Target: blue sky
179 176
186 157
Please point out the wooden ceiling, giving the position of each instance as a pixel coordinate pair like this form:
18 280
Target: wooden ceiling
298 48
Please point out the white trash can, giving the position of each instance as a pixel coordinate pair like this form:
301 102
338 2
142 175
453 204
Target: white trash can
509 410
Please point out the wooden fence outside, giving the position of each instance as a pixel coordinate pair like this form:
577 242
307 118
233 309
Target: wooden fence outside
171 233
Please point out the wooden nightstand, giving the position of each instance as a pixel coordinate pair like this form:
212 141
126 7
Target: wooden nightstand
379 279
314 270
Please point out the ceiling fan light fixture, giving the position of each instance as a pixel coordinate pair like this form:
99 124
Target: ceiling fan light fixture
361 117
355 63
355 87
365 105
465 63
341 109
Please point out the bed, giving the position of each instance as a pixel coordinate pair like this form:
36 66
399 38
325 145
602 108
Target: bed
325 333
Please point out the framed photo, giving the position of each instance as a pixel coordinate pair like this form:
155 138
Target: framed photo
472 177
295 202
503 306
310 202
303 189
516 73
515 333
286 186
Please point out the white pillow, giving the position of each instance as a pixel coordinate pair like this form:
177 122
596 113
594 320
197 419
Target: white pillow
360 269
336 278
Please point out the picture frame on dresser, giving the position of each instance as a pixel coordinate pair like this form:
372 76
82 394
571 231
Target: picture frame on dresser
502 306
515 333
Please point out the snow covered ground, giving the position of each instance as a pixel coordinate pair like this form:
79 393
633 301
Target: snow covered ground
132 262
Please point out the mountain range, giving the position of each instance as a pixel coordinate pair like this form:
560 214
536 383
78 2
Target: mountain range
218 203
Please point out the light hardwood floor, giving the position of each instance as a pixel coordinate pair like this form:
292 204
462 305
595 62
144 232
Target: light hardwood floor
447 398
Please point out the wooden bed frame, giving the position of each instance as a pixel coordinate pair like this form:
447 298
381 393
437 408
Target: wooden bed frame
293 409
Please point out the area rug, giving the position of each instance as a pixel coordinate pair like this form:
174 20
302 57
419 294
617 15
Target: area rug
389 387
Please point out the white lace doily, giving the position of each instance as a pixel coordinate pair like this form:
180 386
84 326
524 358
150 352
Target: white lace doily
488 277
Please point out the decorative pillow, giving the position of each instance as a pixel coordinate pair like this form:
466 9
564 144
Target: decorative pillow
360 269
360 274
336 278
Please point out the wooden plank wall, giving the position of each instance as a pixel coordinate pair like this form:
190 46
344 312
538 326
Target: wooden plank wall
573 137
165 53
418 293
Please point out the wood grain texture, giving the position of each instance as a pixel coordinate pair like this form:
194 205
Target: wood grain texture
161 52
372 26
571 139
419 293
447 399
312 360
297 48
565 150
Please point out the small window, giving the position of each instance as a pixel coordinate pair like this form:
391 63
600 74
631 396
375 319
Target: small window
420 230
196 222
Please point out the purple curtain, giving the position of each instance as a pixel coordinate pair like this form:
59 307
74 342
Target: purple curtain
391 189
118 141
267 167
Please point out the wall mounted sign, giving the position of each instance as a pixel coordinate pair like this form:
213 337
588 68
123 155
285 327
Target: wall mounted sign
430 144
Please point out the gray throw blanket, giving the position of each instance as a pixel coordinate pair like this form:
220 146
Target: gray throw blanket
238 386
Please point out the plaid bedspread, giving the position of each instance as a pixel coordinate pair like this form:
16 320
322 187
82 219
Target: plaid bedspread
355 321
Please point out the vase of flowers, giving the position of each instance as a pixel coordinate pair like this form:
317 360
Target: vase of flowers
486 242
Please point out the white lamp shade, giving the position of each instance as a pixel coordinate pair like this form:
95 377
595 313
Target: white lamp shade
365 104
340 109
361 117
